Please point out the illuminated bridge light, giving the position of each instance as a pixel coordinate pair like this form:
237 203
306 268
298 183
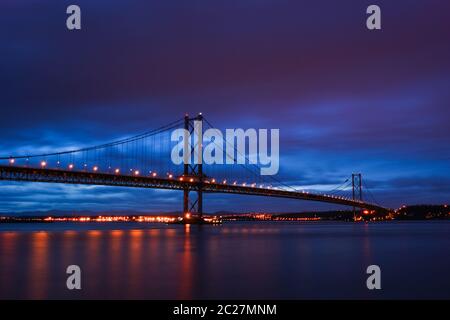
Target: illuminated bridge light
213 180
170 176
244 184
43 164
117 171
224 181
136 172
11 161
154 174
181 179
191 180
95 168
234 183
70 166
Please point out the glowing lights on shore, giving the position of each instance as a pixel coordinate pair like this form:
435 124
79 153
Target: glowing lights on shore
161 219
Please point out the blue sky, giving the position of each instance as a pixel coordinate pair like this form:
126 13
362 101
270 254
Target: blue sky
346 99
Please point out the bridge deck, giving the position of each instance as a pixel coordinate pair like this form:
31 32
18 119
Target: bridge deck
13 173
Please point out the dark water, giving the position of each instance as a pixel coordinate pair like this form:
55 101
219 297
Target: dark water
235 260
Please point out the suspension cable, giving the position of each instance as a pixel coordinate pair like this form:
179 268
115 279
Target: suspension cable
166 127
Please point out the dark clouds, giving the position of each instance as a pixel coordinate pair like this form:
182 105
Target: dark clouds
346 99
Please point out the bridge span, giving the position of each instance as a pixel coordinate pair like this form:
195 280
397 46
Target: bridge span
184 183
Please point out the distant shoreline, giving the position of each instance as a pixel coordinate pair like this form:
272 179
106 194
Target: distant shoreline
416 212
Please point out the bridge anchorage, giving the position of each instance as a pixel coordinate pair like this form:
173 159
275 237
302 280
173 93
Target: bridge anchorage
141 161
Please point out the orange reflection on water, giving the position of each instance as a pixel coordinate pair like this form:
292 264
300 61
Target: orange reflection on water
68 247
94 233
8 245
134 269
187 268
170 232
115 257
93 261
38 267
116 233
70 233
153 232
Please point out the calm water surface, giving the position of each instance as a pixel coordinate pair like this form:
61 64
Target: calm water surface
235 260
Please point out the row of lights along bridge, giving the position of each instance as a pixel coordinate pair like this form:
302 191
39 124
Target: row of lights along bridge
44 164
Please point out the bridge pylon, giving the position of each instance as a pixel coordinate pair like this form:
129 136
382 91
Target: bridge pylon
194 127
356 190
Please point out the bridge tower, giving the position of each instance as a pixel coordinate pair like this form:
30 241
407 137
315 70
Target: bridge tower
356 190
194 170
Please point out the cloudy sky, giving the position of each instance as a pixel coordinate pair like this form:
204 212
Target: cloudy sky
346 99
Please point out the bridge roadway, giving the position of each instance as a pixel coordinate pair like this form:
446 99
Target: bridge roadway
13 173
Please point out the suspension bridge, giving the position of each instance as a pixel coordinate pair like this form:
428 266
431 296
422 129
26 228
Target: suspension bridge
143 161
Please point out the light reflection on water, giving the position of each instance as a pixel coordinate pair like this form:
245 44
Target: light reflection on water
235 260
